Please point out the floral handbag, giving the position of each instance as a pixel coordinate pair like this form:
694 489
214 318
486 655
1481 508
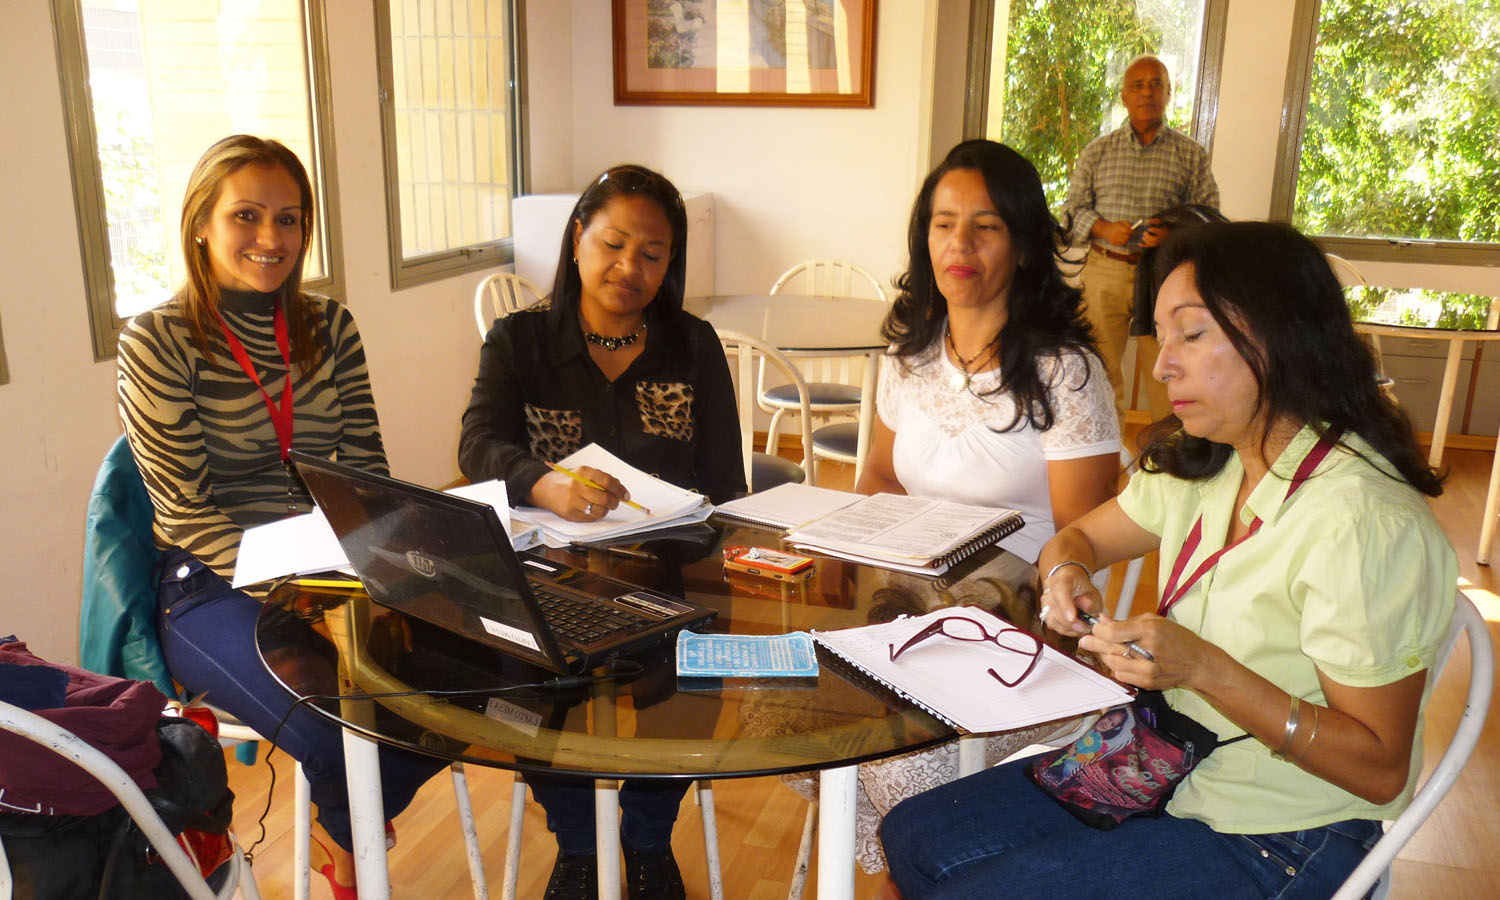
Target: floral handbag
1128 764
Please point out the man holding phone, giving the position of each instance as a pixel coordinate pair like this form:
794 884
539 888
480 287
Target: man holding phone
1119 182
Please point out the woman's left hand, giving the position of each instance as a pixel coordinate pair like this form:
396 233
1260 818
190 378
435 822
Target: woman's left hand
1179 653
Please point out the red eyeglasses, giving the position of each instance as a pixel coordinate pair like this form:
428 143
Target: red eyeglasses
963 628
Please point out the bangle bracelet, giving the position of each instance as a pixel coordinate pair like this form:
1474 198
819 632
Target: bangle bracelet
1312 736
1068 562
1293 719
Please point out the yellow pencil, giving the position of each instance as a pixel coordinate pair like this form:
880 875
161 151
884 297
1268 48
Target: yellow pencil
347 584
590 483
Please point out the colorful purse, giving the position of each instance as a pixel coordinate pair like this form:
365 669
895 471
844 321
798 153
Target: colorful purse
1127 765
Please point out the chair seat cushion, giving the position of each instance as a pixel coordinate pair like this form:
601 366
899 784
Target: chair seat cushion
767 471
840 439
819 393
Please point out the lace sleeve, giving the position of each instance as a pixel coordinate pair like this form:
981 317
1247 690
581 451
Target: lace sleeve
1083 408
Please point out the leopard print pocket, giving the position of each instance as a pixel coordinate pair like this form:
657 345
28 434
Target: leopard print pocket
554 433
666 409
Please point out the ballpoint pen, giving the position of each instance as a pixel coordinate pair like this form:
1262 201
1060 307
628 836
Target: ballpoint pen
628 552
590 483
1135 648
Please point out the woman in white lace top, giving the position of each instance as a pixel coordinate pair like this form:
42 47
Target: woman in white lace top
993 393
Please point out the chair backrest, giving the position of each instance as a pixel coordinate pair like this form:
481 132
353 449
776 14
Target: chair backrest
1466 619
830 278
117 618
747 357
70 746
1347 272
499 295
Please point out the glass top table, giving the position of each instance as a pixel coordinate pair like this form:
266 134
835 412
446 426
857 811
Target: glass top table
324 642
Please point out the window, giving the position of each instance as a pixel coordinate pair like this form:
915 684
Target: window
1045 75
450 103
148 86
1388 129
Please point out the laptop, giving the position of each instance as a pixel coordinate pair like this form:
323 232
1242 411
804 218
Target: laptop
448 561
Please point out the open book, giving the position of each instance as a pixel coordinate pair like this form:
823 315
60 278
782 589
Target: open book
909 534
669 505
301 545
949 677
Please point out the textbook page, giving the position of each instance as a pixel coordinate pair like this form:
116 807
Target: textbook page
950 678
788 505
669 505
896 529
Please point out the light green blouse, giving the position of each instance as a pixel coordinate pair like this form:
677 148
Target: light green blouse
1351 575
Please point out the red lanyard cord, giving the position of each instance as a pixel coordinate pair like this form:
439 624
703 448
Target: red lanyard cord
1173 593
281 417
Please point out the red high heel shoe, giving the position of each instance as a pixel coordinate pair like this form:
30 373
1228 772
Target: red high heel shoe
324 867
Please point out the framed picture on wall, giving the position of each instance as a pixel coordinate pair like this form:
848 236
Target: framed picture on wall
766 53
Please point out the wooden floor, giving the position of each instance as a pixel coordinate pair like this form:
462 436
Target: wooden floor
760 821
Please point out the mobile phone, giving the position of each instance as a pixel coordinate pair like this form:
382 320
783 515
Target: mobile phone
768 563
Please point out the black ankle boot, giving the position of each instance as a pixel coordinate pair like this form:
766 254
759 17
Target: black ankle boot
653 876
574 878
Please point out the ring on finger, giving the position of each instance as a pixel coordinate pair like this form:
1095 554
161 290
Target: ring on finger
1128 654
588 510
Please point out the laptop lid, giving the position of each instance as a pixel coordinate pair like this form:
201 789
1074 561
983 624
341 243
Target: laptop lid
448 561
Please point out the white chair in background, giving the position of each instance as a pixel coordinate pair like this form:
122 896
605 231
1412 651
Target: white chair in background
748 360
1375 869
833 382
499 295
108 773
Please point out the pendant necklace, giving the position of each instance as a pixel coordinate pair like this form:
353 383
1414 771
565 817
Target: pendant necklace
614 343
959 381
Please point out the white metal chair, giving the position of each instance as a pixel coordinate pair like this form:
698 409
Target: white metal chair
499 295
1375 869
518 812
108 773
833 383
749 358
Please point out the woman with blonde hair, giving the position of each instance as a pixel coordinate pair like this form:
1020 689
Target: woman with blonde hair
216 386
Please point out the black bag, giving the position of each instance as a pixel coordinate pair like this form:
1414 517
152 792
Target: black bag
106 857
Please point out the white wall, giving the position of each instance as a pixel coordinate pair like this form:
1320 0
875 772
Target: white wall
787 184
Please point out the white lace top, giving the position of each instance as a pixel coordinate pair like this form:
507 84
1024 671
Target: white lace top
949 444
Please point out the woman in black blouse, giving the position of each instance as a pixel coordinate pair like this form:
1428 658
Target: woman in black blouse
612 359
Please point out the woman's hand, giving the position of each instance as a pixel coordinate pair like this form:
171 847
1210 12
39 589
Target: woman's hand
575 501
1068 590
1180 655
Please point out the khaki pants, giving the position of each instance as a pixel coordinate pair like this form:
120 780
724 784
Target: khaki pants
1108 296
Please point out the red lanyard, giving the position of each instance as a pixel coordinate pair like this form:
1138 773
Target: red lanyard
1173 593
281 418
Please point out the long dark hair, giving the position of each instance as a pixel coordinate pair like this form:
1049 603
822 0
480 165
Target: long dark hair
1044 315
199 295
567 286
1281 306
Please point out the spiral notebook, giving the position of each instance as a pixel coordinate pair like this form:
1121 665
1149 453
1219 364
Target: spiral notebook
909 534
948 677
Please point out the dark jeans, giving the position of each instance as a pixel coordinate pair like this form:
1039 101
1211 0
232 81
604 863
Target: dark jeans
648 809
207 632
996 834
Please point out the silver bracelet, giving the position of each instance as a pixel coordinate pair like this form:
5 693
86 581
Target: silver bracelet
1068 562
1292 721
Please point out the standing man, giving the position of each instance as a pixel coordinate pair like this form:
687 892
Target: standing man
1120 182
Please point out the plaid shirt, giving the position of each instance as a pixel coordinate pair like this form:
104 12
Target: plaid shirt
1119 180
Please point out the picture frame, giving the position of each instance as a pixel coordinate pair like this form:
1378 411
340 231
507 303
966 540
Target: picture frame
812 53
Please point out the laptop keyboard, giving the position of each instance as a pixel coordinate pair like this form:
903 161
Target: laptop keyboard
579 620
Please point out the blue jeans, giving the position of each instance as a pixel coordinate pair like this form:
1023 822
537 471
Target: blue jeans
996 834
648 809
207 633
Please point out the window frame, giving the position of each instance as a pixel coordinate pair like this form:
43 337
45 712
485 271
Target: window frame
1205 90
1289 161
88 182
404 272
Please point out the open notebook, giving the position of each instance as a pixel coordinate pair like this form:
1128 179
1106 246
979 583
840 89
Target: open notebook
909 534
949 678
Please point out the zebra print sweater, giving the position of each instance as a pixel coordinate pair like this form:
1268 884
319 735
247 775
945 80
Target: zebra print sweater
202 435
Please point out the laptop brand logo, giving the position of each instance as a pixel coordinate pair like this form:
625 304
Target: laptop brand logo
421 564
